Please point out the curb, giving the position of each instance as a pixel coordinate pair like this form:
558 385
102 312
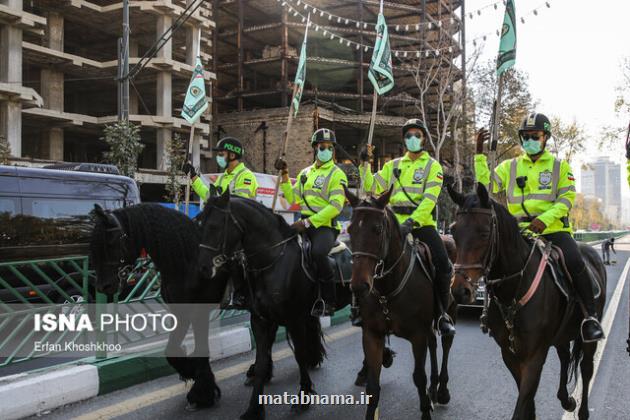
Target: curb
36 392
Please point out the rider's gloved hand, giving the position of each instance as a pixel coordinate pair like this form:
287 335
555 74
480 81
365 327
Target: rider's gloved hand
537 226
281 165
367 154
406 227
483 135
189 169
300 226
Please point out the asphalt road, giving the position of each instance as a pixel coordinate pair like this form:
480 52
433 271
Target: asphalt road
480 385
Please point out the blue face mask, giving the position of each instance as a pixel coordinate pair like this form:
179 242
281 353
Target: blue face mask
324 155
221 161
532 147
413 143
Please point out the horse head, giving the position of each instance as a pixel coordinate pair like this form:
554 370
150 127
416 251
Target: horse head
110 253
221 235
475 233
370 230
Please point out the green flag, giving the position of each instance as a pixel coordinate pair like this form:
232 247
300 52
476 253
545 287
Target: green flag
300 75
507 48
196 102
380 72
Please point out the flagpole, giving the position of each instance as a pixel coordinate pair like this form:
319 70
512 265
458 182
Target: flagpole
370 135
191 138
494 135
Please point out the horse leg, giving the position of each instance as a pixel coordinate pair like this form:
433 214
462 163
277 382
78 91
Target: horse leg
567 402
433 387
175 354
586 369
530 378
204 391
373 345
443 395
249 375
388 360
513 365
298 332
419 347
260 329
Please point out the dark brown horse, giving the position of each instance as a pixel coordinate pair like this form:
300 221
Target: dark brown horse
525 317
395 295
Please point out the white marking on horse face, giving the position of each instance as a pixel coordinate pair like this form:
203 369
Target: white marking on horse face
360 223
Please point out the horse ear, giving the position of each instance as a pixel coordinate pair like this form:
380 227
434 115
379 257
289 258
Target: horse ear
353 199
212 191
383 199
457 197
482 193
224 199
98 210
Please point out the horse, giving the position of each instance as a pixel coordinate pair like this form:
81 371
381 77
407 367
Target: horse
171 239
526 317
395 295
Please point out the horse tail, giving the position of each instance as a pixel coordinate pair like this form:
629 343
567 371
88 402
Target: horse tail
576 357
313 343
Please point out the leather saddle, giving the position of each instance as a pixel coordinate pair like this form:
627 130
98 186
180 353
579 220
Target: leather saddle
562 277
339 257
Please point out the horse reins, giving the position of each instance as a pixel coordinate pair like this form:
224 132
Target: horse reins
124 270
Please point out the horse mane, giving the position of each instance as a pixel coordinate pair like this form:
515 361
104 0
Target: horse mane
276 220
170 238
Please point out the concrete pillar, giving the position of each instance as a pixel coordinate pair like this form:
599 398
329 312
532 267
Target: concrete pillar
134 103
11 71
164 94
52 88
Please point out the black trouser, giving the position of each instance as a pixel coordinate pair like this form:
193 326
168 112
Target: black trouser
430 236
322 241
575 265
606 255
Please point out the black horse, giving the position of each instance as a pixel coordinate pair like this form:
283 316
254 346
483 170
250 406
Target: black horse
395 296
527 313
243 230
171 239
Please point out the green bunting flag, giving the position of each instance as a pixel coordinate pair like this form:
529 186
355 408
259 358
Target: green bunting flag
196 102
507 48
300 75
380 72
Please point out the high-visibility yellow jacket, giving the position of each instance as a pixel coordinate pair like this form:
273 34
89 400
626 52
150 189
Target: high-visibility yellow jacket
628 171
422 181
240 181
549 190
319 193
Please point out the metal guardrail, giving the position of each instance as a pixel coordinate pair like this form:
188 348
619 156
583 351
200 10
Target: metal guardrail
65 285
599 236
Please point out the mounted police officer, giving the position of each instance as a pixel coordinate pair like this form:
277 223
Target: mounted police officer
240 181
236 177
417 180
319 193
540 192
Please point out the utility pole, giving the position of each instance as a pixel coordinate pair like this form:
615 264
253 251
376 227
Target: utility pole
123 67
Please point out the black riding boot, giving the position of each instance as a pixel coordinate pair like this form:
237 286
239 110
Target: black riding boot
591 329
443 292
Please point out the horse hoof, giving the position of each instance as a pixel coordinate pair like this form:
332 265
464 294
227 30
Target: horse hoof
570 405
426 416
443 396
192 407
361 380
433 394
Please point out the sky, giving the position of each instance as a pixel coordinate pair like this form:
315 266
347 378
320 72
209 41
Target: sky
572 53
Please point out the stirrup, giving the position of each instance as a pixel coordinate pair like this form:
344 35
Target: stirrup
596 321
319 307
447 318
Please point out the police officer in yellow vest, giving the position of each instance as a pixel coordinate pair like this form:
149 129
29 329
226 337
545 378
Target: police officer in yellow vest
540 192
628 157
241 182
237 178
319 193
417 180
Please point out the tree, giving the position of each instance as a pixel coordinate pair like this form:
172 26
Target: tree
610 135
124 143
587 211
568 140
176 157
5 151
516 103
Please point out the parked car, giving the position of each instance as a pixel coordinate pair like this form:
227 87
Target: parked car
45 213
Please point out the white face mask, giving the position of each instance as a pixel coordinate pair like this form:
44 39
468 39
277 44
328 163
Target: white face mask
413 143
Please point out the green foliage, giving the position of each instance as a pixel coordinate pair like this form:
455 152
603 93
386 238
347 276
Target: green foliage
124 143
569 139
176 158
5 151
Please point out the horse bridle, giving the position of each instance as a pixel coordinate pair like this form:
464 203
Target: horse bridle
124 269
222 258
380 259
491 251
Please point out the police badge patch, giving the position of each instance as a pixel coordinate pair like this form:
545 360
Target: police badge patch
544 180
418 176
319 182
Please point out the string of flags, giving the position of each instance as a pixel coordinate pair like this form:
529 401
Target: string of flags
295 8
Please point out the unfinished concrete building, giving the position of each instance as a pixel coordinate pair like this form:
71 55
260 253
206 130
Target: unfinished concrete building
256 48
58 63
